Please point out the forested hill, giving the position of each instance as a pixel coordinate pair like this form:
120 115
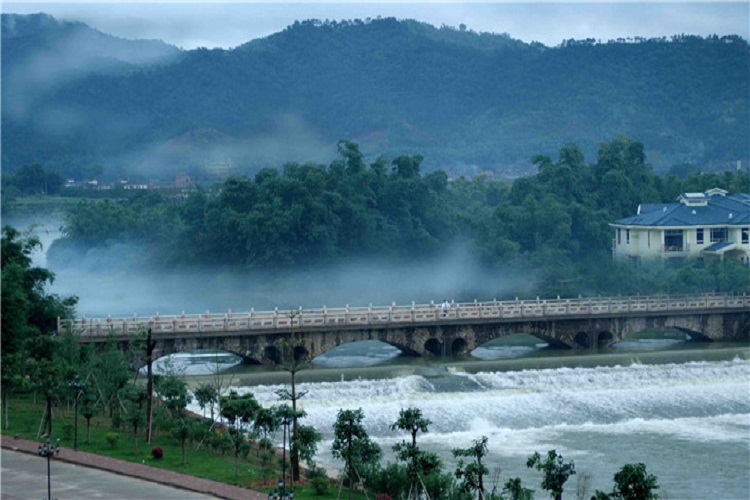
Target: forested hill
468 102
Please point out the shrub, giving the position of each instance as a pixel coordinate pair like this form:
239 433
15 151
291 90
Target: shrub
157 453
112 438
320 484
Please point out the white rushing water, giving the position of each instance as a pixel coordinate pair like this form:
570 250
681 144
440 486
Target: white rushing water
689 423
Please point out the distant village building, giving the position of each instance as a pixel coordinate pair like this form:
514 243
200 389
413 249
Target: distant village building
184 181
220 169
706 225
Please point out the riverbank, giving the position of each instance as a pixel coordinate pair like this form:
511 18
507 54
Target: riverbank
581 359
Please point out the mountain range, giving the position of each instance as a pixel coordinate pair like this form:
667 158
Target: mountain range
74 98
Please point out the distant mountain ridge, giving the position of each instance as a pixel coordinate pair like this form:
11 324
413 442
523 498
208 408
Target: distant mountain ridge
468 102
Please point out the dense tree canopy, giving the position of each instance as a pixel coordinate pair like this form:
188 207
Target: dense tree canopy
467 101
555 222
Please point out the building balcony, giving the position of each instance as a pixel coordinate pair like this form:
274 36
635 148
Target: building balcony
675 249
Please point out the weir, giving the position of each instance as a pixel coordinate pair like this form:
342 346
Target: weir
431 329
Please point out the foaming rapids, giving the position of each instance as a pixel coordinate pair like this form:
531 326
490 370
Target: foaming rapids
534 398
666 416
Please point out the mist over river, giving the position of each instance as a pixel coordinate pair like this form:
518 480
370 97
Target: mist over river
680 408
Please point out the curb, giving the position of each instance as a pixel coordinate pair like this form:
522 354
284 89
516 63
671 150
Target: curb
139 471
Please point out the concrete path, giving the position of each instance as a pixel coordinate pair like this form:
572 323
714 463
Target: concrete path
204 488
24 476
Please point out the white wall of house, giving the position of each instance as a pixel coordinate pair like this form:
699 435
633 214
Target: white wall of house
648 243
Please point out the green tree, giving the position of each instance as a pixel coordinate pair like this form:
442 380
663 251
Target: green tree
90 407
30 315
555 471
239 411
206 395
307 442
353 445
412 421
632 482
472 474
135 396
514 490
174 393
293 361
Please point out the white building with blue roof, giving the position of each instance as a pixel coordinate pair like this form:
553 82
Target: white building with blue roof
706 225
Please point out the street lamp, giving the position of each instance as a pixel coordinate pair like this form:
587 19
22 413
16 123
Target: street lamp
282 482
77 386
47 449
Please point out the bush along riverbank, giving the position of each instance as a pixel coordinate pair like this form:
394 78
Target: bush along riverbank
206 458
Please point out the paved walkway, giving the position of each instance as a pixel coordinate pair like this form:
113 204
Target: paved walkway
140 471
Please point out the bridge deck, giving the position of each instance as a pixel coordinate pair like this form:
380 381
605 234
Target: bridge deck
261 322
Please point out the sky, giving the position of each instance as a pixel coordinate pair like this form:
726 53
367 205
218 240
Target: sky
228 24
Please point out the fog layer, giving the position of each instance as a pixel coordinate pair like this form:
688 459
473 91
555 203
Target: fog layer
114 283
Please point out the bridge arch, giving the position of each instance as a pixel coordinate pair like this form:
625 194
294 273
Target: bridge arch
434 347
695 336
301 353
459 346
605 339
583 340
272 354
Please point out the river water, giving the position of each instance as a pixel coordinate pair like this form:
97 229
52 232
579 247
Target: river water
684 413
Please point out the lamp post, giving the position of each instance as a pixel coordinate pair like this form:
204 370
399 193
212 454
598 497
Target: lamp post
77 386
282 482
47 449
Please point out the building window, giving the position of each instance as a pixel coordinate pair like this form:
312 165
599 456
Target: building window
718 234
673 240
745 235
699 236
619 236
627 236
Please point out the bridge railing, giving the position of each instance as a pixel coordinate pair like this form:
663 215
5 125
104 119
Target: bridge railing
270 321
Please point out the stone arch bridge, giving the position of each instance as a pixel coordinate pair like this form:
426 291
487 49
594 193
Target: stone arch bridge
428 329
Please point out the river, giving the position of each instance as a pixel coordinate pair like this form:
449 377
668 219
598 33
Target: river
682 409
686 418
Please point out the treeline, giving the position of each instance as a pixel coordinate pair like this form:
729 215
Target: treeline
467 101
554 223
31 180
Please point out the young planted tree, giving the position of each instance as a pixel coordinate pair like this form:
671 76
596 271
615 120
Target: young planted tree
352 444
472 474
293 361
110 373
174 393
265 423
556 472
514 490
632 482
307 440
135 397
238 410
89 407
411 420
206 395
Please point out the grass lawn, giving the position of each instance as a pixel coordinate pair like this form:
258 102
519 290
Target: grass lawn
25 416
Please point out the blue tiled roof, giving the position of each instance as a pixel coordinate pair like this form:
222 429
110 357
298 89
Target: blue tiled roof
716 212
715 247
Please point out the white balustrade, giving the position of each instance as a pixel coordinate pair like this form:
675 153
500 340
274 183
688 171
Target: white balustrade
270 321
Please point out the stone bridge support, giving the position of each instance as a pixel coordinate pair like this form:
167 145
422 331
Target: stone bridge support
457 338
